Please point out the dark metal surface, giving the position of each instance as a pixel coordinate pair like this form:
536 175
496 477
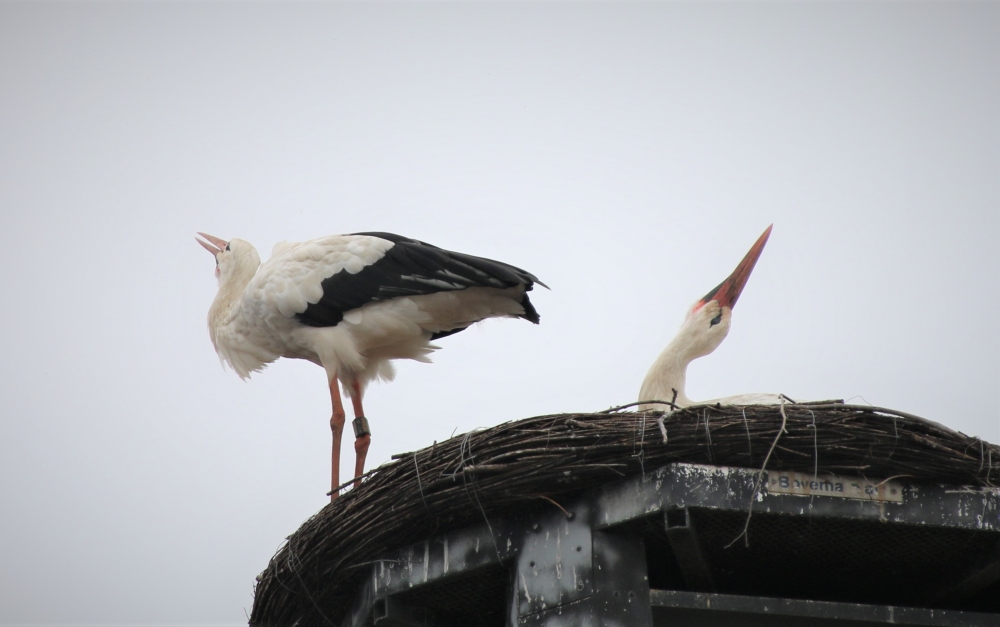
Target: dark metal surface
390 611
759 610
970 578
554 565
718 487
437 559
618 595
592 562
687 549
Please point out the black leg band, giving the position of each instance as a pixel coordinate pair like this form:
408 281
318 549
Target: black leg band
361 428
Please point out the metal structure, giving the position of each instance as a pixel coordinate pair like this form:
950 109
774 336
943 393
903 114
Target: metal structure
707 545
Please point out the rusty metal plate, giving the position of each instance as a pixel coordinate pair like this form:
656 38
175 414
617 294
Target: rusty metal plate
808 484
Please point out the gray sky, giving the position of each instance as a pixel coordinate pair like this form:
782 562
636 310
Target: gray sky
627 154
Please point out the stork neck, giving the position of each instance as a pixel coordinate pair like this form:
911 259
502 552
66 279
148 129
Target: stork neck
231 288
668 373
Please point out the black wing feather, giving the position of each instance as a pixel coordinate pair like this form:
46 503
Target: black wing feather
413 268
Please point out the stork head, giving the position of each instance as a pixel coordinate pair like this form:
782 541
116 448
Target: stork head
707 323
235 258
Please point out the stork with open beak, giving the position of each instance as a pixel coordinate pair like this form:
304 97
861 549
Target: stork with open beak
352 304
706 325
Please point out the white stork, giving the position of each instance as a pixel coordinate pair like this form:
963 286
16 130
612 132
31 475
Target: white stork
351 304
706 325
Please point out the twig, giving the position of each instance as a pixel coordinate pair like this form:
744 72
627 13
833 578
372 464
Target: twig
747 425
981 456
351 481
475 492
884 481
663 429
895 430
305 588
760 476
564 510
990 469
890 412
672 403
612 410
642 440
609 467
420 485
815 446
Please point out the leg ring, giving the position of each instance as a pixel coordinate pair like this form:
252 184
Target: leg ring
361 428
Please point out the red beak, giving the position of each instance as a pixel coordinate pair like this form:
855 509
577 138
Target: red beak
220 244
729 290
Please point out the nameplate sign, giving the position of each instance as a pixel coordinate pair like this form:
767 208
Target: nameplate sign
808 484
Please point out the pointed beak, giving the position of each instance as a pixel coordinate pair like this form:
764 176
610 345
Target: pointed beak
729 290
220 244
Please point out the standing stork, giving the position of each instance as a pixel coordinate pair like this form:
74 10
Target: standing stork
706 325
352 304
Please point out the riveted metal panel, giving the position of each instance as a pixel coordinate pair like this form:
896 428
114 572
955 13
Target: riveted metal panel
555 563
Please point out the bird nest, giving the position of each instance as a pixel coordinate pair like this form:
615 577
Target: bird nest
537 462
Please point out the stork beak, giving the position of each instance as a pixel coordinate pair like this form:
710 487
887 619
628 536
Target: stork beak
729 290
220 244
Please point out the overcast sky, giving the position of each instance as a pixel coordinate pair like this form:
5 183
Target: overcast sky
627 154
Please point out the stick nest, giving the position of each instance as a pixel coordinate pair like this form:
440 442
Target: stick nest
538 462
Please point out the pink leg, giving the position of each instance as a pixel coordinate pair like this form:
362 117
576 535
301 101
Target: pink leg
337 427
363 441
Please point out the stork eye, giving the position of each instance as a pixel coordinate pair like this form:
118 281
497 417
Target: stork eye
716 320
227 246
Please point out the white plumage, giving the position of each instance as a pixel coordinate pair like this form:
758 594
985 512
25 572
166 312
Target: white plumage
706 325
351 304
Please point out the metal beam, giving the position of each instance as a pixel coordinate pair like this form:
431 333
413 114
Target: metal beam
723 488
818 610
687 549
619 593
553 567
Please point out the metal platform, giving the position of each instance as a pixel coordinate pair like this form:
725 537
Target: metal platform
667 548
